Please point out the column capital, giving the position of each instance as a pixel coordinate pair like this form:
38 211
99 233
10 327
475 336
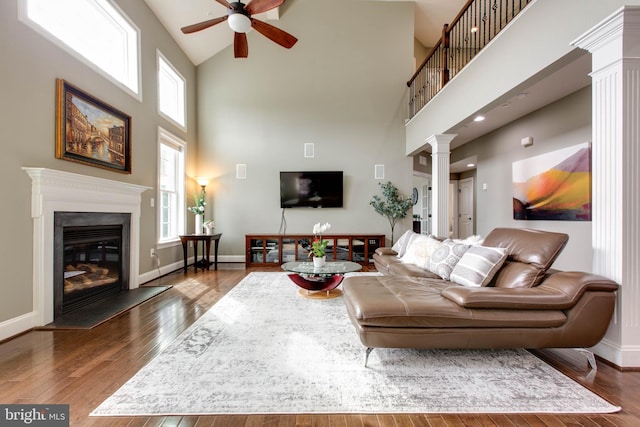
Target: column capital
440 143
623 22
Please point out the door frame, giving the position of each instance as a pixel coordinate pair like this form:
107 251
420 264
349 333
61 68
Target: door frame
472 202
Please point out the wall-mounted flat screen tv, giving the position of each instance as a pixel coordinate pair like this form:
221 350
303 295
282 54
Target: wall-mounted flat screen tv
311 189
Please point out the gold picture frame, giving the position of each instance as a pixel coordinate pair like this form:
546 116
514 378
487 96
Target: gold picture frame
90 131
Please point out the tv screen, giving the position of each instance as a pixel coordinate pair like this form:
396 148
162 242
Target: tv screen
311 189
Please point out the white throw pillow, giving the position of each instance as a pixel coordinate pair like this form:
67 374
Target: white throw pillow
475 240
478 265
403 242
445 258
419 251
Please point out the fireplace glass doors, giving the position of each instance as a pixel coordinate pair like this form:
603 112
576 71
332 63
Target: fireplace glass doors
91 258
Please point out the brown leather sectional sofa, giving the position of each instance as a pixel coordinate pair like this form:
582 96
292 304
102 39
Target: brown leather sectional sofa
526 305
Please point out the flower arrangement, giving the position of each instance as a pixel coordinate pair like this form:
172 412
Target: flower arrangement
319 246
198 209
209 225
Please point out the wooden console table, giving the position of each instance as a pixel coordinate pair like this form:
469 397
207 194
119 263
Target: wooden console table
206 249
276 249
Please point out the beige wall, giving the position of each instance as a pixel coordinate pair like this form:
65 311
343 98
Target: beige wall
30 65
420 53
562 124
342 88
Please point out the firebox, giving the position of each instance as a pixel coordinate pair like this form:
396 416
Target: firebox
91 258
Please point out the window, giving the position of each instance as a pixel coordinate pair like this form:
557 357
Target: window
171 92
95 31
171 206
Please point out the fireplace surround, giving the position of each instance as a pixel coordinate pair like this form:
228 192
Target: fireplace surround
57 191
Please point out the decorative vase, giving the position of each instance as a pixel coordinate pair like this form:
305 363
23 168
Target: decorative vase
199 219
319 262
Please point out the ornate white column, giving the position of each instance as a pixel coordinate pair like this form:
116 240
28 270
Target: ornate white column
615 48
440 154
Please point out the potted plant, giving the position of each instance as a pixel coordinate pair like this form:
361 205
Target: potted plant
391 205
319 246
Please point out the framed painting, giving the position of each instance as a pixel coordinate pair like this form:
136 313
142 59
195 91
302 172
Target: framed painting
90 131
554 186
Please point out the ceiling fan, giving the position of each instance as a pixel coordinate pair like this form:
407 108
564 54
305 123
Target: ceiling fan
240 21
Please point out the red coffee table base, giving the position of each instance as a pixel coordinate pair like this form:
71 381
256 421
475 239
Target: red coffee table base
318 288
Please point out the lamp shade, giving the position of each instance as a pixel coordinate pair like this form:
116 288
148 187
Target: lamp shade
202 181
239 23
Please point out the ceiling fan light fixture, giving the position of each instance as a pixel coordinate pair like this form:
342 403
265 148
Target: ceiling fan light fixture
239 23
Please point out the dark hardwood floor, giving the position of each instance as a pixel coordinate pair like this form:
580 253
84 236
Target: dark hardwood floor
83 367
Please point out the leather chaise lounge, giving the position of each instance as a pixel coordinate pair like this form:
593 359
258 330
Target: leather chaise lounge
525 305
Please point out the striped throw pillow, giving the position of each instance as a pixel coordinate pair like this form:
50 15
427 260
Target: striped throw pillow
478 265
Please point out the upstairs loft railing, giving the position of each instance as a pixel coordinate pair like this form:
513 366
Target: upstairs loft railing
476 25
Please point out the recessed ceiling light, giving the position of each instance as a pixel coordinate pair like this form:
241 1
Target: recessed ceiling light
506 104
522 95
478 119
471 165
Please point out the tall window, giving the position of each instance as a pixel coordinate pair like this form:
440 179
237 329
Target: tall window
171 92
95 31
171 187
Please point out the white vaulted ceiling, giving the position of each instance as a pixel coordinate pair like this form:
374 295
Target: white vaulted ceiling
430 16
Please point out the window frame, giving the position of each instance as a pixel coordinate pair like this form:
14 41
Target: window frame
168 139
182 83
131 56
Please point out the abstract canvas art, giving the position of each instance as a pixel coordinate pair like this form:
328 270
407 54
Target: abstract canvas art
554 186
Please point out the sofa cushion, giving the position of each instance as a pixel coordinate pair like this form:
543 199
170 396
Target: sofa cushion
559 291
386 251
478 265
530 253
445 258
393 302
419 251
410 270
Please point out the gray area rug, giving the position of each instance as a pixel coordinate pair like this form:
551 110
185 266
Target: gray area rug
264 349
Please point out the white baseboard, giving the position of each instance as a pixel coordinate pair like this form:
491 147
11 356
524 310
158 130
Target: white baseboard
164 269
17 325
25 322
178 265
627 356
231 258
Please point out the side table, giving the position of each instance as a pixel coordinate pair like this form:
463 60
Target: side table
206 249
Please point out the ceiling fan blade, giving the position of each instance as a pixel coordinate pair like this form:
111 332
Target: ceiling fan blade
240 45
275 34
202 25
225 3
259 6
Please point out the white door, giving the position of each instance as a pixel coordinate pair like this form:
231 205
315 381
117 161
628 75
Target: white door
465 208
426 208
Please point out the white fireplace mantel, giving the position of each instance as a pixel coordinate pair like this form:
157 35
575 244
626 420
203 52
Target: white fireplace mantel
57 191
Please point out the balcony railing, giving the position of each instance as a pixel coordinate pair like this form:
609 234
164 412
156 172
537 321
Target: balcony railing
476 25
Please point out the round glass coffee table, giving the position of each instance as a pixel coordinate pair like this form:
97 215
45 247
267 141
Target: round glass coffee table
319 282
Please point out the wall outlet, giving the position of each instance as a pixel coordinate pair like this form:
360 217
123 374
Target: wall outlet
152 253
